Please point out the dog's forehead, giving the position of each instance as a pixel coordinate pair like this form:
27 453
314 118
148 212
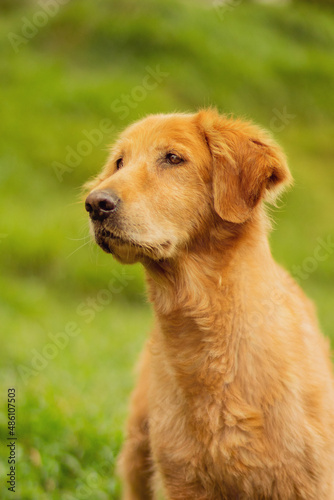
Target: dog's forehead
163 131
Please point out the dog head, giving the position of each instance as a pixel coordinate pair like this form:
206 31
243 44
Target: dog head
170 177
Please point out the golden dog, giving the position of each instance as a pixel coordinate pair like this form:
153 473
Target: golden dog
235 397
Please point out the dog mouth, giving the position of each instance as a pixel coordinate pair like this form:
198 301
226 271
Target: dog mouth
111 242
110 235
108 239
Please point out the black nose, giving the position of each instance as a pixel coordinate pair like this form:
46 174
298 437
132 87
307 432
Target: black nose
100 204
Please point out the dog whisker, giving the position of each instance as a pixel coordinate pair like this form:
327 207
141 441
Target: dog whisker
77 249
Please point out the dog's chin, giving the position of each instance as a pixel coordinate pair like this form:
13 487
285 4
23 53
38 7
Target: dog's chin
125 254
128 251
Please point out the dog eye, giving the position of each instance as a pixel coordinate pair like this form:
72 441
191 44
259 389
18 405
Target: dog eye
174 159
119 163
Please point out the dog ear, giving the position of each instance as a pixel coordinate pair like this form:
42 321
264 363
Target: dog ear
247 165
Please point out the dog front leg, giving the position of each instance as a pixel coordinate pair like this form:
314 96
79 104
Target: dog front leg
135 467
135 464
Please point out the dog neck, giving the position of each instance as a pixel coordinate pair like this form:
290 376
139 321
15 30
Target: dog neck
205 272
200 300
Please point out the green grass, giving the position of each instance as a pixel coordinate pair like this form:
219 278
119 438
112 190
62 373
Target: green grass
253 61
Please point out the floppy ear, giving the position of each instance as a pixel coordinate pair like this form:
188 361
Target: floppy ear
247 165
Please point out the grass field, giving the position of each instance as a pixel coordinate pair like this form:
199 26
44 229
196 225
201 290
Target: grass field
69 340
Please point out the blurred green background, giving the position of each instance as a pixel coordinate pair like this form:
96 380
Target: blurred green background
72 75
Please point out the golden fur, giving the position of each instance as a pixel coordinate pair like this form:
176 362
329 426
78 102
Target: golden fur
235 396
